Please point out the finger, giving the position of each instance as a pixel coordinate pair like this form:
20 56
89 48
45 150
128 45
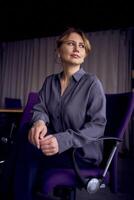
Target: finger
33 136
45 143
30 137
49 142
49 147
42 134
48 137
49 151
36 137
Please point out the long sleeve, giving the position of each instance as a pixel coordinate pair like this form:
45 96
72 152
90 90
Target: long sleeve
40 109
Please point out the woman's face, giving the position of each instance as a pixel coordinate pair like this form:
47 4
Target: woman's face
72 51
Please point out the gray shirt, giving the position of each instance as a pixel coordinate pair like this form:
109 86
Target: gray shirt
77 117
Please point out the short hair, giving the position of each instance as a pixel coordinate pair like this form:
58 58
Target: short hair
70 30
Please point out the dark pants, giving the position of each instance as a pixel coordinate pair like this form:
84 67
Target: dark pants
24 167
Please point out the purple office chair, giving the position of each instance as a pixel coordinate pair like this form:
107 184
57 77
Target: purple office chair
63 182
13 103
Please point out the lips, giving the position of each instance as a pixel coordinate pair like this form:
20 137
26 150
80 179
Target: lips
75 56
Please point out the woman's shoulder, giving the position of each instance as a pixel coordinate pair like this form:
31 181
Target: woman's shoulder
92 79
51 76
91 76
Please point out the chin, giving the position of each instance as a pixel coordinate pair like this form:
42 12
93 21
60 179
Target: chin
77 62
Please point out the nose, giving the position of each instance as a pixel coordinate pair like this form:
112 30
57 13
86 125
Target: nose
76 47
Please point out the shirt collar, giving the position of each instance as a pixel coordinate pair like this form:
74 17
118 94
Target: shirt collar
77 76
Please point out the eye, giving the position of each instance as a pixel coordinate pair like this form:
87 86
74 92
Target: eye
74 44
82 46
71 43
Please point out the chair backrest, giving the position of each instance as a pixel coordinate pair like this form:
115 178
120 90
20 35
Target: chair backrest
27 114
119 110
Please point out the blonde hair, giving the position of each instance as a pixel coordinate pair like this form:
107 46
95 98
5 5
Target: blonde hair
62 38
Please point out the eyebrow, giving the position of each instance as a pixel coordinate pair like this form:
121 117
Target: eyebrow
73 41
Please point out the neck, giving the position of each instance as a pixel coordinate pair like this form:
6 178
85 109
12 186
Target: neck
69 71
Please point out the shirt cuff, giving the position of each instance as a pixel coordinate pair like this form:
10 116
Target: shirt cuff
64 140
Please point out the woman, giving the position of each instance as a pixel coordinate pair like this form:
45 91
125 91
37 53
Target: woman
72 107
72 103
71 113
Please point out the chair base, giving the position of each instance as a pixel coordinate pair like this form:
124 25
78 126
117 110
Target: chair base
41 196
59 193
65 192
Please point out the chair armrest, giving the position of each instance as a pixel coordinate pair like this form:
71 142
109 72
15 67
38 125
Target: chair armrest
110 158
109 138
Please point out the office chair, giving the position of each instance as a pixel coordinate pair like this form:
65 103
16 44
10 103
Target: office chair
63 182
13 103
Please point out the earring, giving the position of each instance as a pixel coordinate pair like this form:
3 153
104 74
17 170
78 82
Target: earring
58 59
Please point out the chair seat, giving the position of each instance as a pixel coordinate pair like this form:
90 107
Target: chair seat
54 177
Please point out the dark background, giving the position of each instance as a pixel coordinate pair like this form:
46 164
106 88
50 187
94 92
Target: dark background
22 20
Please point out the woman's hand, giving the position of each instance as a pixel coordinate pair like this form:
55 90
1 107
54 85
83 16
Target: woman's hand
49 145
37 132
